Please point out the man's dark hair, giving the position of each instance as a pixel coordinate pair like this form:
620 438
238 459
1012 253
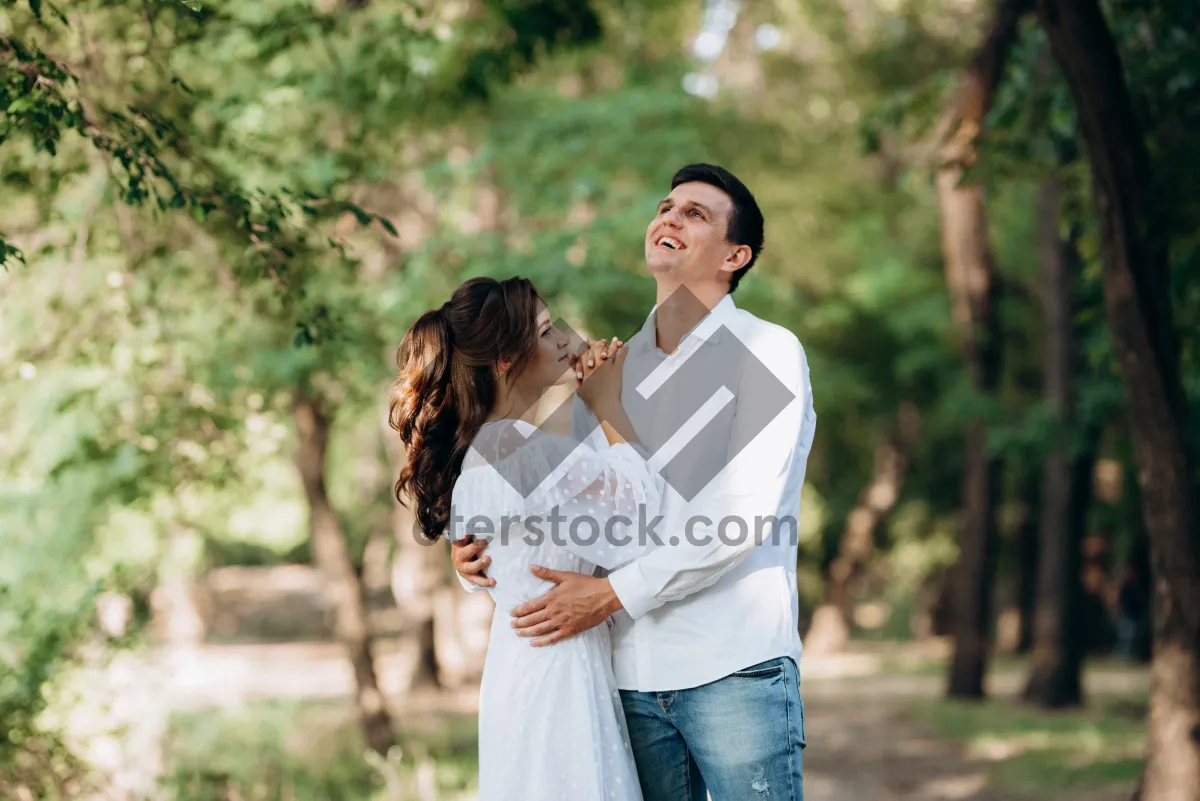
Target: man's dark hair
745 221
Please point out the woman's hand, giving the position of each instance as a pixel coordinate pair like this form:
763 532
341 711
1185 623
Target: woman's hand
590 355
600 368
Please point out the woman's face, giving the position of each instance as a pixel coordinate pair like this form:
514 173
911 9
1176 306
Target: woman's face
551 363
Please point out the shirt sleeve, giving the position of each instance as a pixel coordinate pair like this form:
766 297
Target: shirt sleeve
749 489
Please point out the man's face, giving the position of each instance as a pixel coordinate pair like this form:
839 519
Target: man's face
686 238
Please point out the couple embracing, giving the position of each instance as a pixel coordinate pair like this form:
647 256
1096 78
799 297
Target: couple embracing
648 559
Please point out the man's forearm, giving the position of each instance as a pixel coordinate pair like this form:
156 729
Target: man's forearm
673 572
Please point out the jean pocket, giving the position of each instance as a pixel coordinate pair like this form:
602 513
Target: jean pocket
803 732
772 667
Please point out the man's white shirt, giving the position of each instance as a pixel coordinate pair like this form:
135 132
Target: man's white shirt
730 422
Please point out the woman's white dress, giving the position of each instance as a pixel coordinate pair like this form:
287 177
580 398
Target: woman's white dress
551 725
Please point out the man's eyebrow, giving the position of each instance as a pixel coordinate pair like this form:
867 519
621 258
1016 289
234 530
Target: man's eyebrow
695 203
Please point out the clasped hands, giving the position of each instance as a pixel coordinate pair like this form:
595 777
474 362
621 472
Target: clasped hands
590 355
577 602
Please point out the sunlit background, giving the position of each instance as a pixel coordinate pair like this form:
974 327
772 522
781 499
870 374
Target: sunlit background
219 218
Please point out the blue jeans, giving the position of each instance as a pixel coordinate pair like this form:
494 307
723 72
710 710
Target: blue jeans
740 737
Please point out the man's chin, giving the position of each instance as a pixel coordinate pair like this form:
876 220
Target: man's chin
656 265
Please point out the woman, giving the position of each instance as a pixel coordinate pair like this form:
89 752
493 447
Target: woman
550 719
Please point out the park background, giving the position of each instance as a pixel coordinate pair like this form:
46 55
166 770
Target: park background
218 218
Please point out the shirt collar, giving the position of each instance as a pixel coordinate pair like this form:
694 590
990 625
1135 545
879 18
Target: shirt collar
707 330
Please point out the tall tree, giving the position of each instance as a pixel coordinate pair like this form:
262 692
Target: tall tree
973 286
1058 645
1027 546
328 542
1137 302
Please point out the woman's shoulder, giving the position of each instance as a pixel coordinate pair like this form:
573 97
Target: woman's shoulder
513 442
517 456
498 440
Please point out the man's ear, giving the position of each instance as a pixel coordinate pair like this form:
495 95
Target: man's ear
738 258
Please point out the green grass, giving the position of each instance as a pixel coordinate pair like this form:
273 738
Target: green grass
930 666
1035 754
287 751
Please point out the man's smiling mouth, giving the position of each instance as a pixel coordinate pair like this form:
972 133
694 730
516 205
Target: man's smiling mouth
670 242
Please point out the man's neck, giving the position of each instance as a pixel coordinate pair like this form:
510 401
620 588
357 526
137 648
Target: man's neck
672 321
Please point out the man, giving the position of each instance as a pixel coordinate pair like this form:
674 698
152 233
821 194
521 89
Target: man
704 623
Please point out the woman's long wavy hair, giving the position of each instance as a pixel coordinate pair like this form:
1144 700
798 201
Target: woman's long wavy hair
446 386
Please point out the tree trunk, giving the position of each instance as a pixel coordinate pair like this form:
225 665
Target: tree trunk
1027 562
1058 649
973 288
1137 302
830 629
418 572
977 569
333 560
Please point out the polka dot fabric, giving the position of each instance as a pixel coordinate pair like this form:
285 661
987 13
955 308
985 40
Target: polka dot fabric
551 726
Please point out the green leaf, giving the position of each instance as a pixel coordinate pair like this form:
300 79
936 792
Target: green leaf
387 225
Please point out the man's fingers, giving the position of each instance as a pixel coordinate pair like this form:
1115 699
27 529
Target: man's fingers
538 630
480 581
529 607
468 553
556 636
557 576
467 559
534 619
596 354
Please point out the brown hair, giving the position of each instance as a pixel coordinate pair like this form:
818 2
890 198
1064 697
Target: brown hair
446 386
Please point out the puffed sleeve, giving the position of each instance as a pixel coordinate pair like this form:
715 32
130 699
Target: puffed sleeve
585 500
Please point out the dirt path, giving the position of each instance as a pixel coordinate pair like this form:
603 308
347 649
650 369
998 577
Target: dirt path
862 747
